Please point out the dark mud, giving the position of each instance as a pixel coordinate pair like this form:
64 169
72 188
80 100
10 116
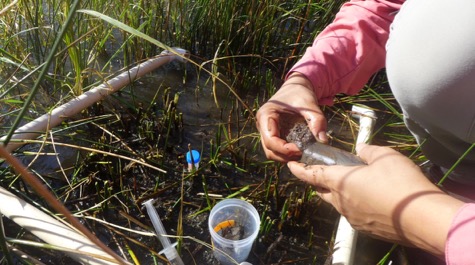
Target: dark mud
316 153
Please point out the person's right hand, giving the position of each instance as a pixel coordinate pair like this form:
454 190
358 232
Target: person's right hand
295 97
388 198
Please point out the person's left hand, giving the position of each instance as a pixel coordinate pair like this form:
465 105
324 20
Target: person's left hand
389 198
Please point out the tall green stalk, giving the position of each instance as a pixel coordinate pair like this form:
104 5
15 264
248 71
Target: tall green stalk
441 181
74 53
43 72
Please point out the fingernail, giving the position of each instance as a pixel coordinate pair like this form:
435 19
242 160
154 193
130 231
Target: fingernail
322 137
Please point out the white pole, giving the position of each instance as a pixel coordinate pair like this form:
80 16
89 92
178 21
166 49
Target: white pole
51 230
50 120
346 236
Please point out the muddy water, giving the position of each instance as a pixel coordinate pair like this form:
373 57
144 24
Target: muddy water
304 237
201 115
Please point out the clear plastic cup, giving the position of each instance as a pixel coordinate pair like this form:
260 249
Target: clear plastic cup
233 225
193 157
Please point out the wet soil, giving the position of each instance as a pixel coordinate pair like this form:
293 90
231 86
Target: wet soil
300 135
144 121
296 227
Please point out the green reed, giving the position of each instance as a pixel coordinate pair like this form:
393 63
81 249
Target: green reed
246 45
260 30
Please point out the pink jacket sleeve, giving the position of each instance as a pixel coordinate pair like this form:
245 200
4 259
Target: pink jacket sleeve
350 50
460 244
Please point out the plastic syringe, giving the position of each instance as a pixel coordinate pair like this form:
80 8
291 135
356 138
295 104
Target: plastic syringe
168 248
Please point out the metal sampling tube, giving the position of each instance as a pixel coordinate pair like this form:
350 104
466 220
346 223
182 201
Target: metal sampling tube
322 154
315 153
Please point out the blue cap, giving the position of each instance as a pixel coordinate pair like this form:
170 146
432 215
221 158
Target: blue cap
196 156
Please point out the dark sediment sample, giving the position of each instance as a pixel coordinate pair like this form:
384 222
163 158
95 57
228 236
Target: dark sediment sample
316 153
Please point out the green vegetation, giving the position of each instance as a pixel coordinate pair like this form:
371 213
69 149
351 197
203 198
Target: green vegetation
112 156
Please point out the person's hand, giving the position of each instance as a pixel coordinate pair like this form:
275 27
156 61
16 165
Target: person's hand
389 198
295 98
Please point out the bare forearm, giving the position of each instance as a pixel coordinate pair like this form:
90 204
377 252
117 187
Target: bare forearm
426 220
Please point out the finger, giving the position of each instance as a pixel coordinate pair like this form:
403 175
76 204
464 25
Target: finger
317 123
281 157
314 175
272 141
369 153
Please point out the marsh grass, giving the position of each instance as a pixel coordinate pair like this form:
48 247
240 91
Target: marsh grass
127 148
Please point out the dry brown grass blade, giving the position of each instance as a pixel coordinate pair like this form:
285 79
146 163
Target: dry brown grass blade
39 188
5 9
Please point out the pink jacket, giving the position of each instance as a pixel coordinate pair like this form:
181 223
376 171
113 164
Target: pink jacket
342 59
350 50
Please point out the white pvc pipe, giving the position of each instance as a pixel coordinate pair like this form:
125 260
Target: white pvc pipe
345 242
367 118
41 224
50 120
346 236
51 230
